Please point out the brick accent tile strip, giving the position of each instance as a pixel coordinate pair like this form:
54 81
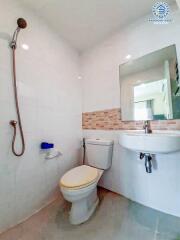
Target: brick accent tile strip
111 120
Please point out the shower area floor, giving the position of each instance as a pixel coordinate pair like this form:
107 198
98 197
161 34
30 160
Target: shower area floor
116 218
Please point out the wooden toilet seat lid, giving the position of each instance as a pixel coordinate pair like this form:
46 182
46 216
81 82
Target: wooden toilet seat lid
79 177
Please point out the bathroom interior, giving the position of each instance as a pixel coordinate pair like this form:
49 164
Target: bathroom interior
89 120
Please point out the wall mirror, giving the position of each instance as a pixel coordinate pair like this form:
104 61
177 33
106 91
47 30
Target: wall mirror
150 87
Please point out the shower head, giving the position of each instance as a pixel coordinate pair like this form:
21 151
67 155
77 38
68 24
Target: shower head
21 22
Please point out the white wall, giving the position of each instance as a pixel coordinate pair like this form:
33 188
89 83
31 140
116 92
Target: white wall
101 90
50 103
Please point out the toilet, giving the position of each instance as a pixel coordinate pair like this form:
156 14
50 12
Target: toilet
79 185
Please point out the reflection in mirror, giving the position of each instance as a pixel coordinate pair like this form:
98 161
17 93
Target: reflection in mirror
150 87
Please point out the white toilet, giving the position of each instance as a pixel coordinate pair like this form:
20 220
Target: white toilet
79 185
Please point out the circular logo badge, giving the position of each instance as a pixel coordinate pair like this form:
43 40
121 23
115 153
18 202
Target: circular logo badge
160 10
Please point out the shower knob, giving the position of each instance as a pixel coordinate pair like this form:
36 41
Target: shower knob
13 123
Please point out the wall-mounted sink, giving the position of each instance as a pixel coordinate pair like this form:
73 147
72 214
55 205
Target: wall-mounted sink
157 142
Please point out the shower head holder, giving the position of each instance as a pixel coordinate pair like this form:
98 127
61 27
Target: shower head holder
13 123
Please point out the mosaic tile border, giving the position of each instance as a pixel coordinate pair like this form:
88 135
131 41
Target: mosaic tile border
110 119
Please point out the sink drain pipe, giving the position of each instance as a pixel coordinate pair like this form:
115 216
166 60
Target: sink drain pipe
148 161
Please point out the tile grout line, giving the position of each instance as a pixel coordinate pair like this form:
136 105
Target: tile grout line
156 230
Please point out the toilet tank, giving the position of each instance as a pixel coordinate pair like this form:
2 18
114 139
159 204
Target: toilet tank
99 153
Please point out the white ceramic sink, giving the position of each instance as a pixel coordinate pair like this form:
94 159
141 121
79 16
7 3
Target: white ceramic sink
156 142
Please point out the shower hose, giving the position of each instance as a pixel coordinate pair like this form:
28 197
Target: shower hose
14 123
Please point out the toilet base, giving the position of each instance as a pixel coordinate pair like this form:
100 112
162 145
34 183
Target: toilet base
83 209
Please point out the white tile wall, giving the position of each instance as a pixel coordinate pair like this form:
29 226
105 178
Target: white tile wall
50 103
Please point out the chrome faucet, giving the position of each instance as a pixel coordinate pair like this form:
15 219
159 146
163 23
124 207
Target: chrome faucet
147 127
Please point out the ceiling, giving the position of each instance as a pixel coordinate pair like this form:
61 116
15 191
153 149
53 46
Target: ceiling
84 23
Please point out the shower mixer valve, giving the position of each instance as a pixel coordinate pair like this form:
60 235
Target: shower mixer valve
13 123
